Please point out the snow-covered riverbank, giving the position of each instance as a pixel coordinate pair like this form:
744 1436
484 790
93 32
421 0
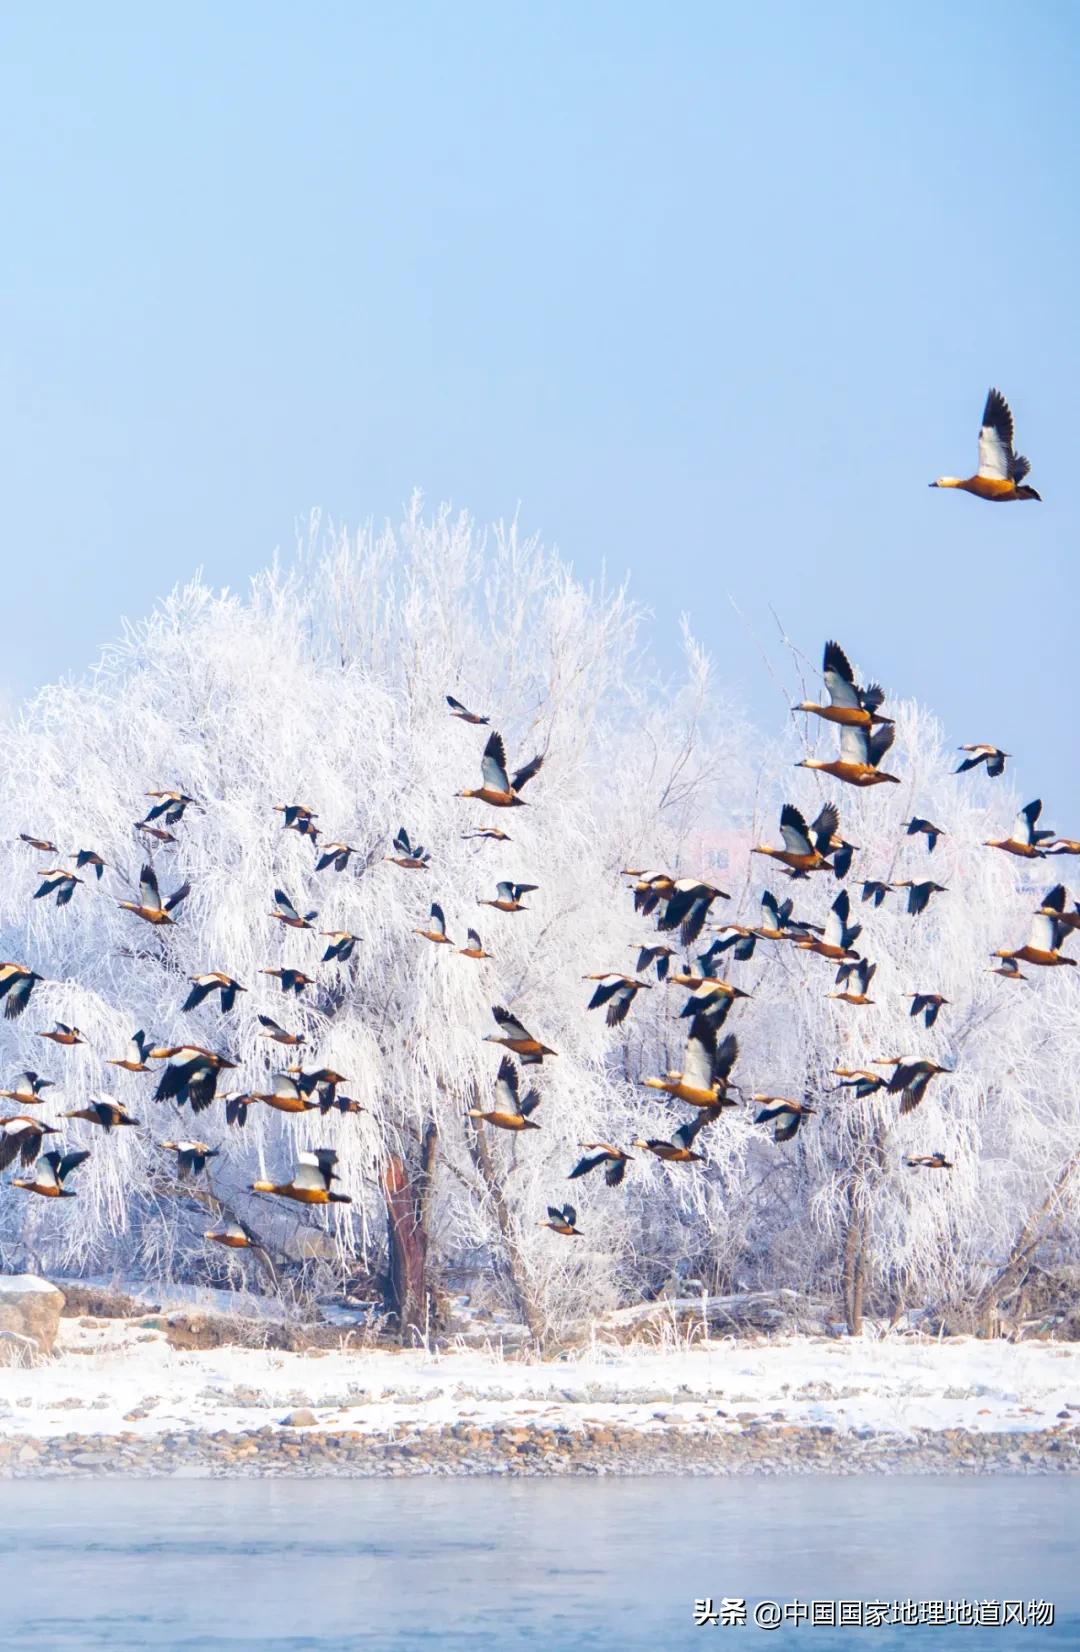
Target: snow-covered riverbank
121 1381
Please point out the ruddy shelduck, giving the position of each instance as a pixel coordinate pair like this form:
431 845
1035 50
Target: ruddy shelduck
310 1183
860 753
50 1174
805 848
1001 469
516 1038
497 787
150 906
512 1111
706 1068
848 704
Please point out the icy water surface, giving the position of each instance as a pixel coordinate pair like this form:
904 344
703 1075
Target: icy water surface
597 1565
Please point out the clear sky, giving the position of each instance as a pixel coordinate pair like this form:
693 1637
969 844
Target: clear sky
710 291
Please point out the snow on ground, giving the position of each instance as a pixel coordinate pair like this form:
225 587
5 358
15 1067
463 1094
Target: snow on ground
114 1376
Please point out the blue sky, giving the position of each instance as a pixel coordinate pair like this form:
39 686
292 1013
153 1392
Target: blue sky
710 292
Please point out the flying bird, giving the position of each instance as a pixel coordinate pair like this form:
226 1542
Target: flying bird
292 980
617 992
150 906
741 942
336 855
1062 846
490 834
679 1150
310 1182
660 956
992 756
919 894
929 1161
299 818
839 937
511 1111
783 1113
910 1081
688 905
706 1068
170 805
235 1235
1023 840
436 930
213 981
805 847
158 833
778 922
1009 968
860 1079
474 947
272 1030
342 942
287 1096
91 858
412 857
309 1078
330 1102
1046 935
711 996
17 982
50 1174
928 1005
286 913
599 1153
58 882
463 712
874 891
497 787
21 1138
237 1103
134 1058
562 1220
191 1075
848 704
27 1087
1001 469
44 845
650 888
863 972
860 754
104 1111
927 828
514 1036
191 1156
508 897
64 1035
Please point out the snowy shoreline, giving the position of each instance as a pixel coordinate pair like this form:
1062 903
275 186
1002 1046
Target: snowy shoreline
118 1397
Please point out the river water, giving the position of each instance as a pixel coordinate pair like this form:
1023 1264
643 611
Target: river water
601 1565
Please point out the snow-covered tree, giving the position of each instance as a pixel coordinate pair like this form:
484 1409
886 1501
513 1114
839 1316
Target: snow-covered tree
325 685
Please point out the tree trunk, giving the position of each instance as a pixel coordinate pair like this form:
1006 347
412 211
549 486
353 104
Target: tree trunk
407 1206
869 1157
1027 1241
512 1269
853 1271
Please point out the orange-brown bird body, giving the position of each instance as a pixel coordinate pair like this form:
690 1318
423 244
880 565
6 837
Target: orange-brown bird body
1001 471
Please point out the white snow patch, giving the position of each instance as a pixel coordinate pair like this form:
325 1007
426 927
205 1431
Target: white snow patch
104 1373
24 1284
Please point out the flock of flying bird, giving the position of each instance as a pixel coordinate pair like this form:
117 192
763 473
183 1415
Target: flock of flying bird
191 1073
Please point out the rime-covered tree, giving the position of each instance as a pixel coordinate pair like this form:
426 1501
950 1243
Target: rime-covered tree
325 685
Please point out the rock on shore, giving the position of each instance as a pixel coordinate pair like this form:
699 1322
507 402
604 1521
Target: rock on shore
29 1317
464 1450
